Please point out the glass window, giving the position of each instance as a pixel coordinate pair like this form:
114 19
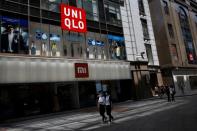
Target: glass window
91 46
149 54
145 29
14 35
174 52
91 8
187 36
116 47
96 46
45 47
55 37
36 36
45 40
165 7
52 5
80 3
141 7
112 13
73 44
170 30
104 48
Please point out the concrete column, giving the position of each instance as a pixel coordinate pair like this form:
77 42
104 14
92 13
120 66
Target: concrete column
55 100
159 78
75 96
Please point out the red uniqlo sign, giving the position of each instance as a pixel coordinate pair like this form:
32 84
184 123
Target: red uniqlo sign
81 70
73 19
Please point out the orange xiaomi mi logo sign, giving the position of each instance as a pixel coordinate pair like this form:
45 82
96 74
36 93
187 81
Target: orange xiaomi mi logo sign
81 70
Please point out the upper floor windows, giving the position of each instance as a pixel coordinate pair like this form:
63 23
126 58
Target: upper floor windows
170 30
141 7
165 7
113 13
52 5
187 36
149 54
91 8
145 29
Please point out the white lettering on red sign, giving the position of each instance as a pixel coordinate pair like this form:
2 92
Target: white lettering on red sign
73 19
81 70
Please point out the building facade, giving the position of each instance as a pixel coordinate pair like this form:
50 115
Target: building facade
45 69
174 23
140 46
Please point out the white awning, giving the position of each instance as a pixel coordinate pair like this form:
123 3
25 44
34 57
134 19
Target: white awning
36 69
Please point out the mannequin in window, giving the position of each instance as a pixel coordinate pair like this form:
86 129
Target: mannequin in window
44 49
87 52
113 49
54 49
9 41
118 50
25 40
22 41
33 48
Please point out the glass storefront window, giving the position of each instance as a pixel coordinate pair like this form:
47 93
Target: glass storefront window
74 44
36 36
45 40
117 47
104 48
14 35
55 37
149 54
45 47
91 46
96 46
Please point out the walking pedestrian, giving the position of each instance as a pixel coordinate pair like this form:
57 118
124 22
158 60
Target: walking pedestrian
172 92
101 106
108 104
167 90
156 90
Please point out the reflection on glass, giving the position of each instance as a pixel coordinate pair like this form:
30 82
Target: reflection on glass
52 5
55 37
112 13
44 49
117 47
90 7
187 36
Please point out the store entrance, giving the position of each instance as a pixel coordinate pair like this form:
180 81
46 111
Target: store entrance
66 97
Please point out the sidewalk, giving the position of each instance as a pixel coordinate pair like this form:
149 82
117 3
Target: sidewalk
117 107
84 113
89 118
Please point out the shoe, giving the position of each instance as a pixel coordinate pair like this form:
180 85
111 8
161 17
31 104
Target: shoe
105 119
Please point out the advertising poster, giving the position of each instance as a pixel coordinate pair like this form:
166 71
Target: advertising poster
14 35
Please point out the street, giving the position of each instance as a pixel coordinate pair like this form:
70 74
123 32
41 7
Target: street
148 115
181 118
